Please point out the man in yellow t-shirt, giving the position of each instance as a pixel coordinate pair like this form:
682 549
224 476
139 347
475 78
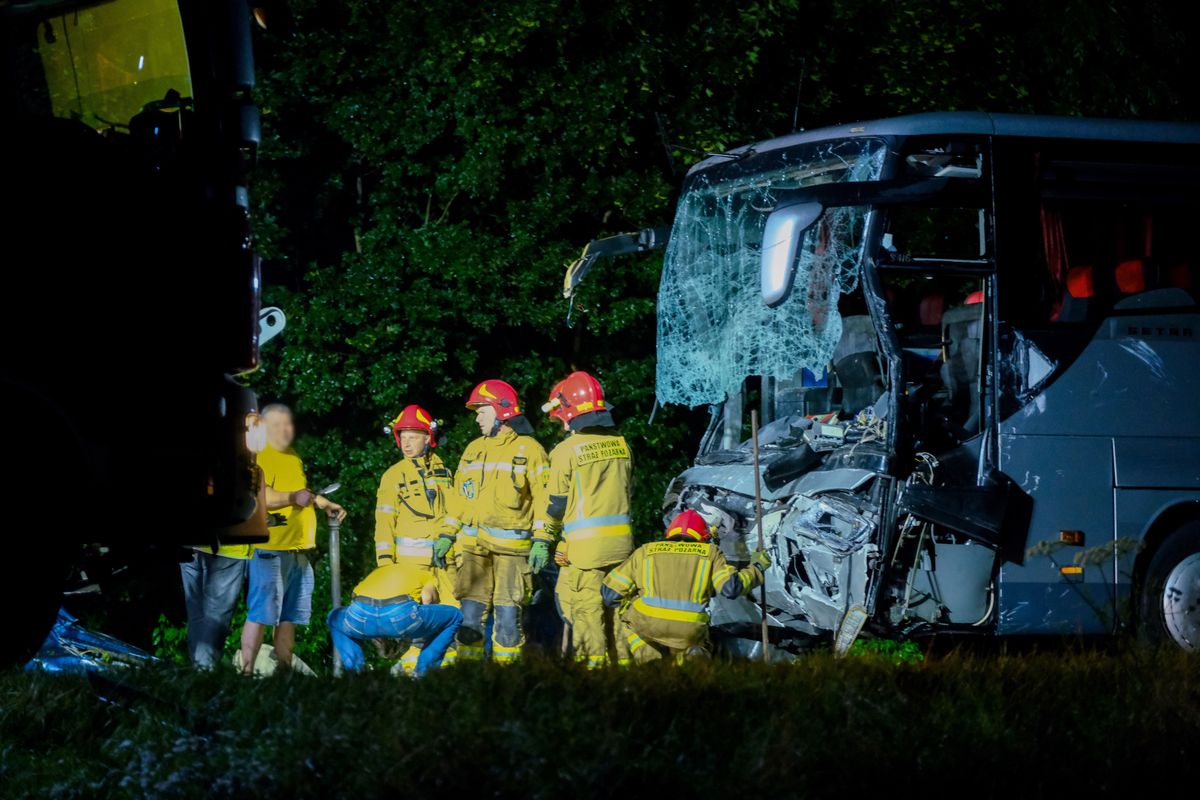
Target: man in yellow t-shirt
386 606
281 573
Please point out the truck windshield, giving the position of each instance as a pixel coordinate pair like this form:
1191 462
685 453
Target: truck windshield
99 63
714 330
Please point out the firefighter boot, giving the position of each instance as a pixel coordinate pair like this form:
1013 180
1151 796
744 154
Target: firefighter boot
508 635
469 638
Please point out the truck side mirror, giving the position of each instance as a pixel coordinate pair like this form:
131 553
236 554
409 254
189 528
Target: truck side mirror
782 235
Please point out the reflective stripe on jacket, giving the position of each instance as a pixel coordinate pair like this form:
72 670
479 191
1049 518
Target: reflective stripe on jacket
410 507
499 502
670 584
594 472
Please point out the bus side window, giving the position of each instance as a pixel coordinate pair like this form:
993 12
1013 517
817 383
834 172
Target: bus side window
1100 254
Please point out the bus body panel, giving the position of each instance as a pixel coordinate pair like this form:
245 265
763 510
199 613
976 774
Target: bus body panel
1070 480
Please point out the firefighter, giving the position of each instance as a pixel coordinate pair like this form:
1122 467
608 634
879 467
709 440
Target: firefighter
409 509
496 518
664 588
589 487
384 608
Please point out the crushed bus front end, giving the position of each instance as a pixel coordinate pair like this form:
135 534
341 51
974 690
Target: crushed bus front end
954 325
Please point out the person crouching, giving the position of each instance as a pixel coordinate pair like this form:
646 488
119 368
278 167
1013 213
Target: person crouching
384 608
664 589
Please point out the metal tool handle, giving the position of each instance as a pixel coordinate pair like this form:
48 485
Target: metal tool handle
335 576
758 512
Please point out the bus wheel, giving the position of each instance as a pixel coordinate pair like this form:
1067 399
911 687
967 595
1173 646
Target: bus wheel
1169 601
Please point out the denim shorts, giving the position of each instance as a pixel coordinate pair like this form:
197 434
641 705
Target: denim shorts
281 587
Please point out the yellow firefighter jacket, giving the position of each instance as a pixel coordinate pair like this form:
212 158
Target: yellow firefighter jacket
409 509
399 582
499 502
589 488
670 584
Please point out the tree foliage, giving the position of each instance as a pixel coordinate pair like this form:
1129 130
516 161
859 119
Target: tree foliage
428 169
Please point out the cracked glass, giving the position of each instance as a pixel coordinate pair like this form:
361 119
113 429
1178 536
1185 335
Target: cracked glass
714 330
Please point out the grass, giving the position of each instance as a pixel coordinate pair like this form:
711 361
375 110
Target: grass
1034 725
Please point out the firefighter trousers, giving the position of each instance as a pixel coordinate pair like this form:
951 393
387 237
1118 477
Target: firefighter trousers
501 583
644 648
594 635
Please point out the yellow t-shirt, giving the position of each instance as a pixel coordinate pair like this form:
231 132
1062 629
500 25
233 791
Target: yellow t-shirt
402 580
228 550
284 472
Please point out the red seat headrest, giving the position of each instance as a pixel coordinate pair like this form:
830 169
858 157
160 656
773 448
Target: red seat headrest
974 297
931 308
1081 283
1131 276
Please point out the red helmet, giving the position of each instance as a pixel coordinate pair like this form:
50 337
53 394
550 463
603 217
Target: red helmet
415 418
497 394
689 525
578 393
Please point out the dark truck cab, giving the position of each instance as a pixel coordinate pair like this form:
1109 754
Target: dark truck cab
131 289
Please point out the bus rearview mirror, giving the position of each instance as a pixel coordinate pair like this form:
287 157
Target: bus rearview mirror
782 235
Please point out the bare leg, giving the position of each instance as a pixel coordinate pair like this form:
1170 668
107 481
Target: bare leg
252 638
284 640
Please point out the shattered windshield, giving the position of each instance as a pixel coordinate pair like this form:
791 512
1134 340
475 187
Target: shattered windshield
714 329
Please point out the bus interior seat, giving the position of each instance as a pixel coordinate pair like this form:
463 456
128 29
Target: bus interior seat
1079 295
1089 291
856 362
931 309
1145 274
1130 276
962 332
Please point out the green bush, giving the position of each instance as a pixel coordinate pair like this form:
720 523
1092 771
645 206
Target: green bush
888 649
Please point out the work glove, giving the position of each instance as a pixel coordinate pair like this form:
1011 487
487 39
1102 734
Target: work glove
440 548
560 555
760 559
610 597
539 556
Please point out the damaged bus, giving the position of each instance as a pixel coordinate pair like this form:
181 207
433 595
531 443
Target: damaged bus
974 342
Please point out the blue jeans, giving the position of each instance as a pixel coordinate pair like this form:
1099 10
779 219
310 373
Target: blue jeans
435 625
281 587
211 587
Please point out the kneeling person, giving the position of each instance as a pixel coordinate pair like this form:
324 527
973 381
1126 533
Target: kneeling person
668 586
384 608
